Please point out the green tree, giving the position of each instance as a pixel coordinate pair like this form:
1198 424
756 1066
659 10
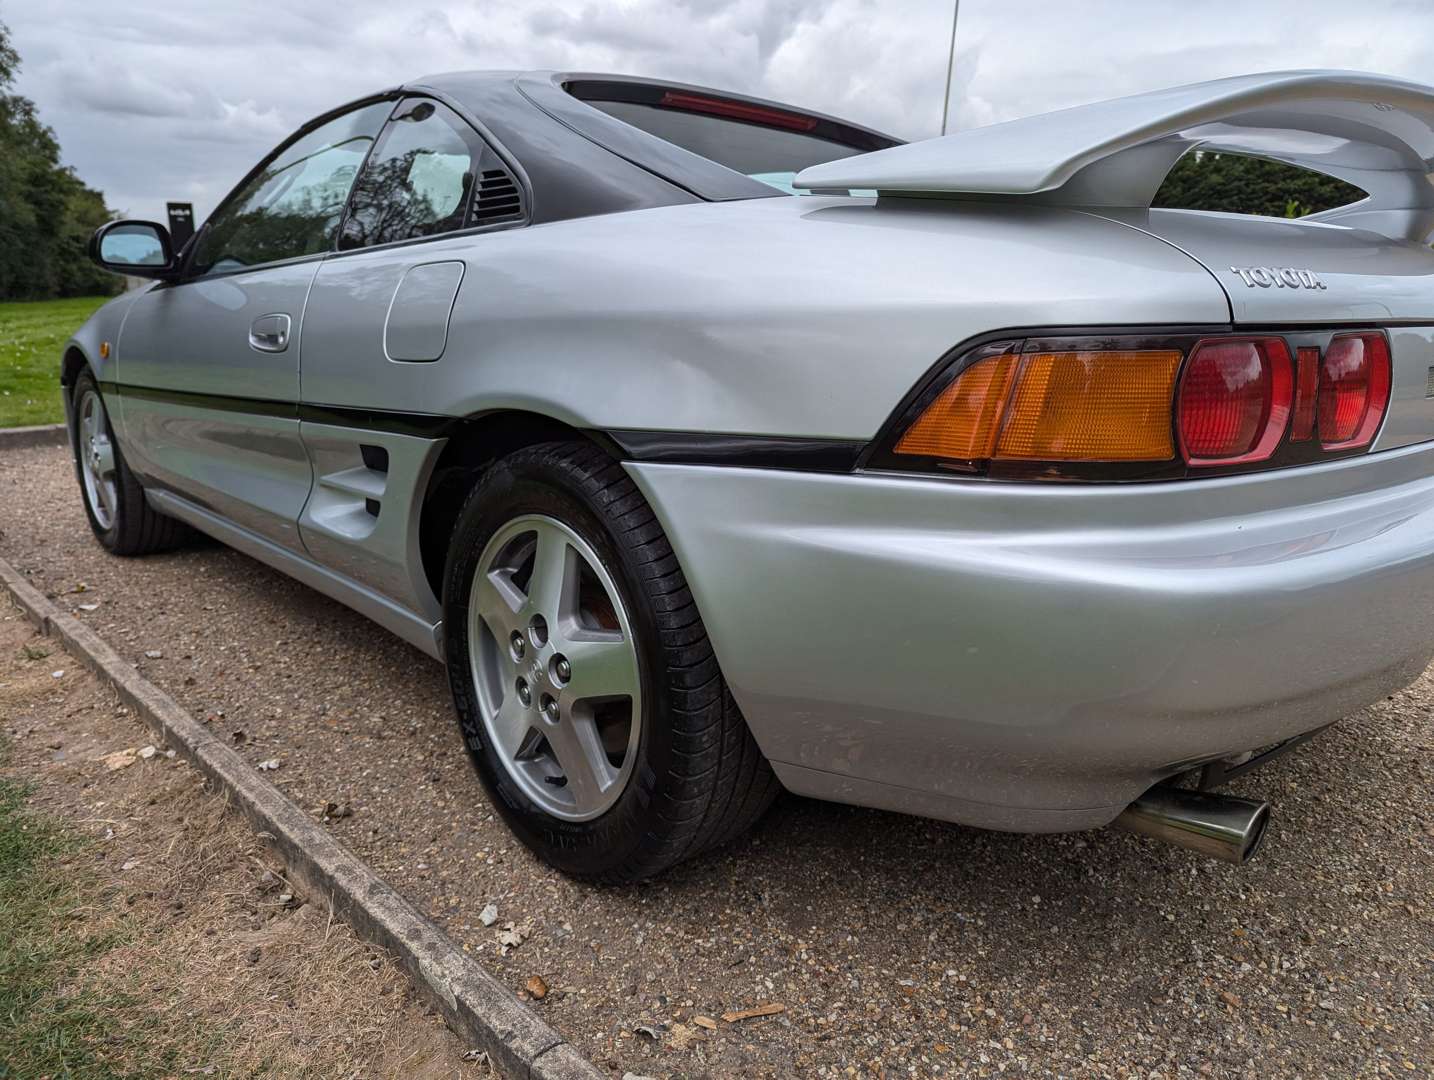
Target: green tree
1236 184
46 212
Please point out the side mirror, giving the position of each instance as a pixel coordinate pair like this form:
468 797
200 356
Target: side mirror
137 248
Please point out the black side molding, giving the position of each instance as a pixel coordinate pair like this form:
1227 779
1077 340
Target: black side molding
738 451
664 447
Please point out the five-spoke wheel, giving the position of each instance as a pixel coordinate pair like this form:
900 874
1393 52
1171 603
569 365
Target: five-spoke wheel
587 692
120 515
555 667
96 456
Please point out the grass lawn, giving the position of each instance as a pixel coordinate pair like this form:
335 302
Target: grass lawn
32 335
48 1027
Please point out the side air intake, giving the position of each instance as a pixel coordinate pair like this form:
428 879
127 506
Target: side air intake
497 199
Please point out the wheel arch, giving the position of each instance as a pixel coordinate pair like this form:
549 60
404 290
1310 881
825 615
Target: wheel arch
477 442
74 362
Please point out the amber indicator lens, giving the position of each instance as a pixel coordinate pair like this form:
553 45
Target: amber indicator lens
962 422
1091 406
1053 406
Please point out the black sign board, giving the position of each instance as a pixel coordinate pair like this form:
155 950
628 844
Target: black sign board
181 223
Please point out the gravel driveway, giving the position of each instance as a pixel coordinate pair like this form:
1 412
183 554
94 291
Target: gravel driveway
898 946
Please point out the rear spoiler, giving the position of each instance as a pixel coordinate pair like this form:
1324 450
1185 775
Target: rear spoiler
1368 130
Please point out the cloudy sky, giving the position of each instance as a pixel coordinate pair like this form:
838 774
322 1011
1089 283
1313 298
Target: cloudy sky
158 99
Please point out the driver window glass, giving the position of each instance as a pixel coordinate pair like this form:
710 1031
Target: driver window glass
418 181
293 205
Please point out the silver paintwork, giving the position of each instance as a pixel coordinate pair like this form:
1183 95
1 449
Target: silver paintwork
1221 826
1035 657
379 551
195 337
525 637
1367 276
417 325
1016 656
797 315
1369 130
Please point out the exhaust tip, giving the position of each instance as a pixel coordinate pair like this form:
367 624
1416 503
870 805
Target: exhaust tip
1223 827
1256 832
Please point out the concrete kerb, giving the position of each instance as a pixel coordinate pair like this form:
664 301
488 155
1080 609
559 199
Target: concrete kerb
477 1006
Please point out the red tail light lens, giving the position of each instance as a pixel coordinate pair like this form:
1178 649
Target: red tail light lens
1353 390
1235 400
1306 393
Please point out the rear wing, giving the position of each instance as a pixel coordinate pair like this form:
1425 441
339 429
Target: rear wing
1368 130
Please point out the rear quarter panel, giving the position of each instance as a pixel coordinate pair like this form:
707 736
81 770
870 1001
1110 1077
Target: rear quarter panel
787 316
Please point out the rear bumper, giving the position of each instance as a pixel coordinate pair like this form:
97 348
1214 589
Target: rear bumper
1033 657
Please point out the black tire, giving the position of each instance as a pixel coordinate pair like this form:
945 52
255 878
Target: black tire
135 527
700 779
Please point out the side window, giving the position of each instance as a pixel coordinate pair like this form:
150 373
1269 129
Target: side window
293 205
421 180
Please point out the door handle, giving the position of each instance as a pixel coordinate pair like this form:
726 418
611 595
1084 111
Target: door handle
269 333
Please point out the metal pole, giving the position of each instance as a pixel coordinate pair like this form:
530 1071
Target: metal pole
950 64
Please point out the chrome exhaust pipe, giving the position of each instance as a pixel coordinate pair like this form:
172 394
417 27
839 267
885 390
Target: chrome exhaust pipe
1220 826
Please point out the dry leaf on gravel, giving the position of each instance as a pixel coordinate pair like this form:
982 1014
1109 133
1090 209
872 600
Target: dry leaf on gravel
770 1009
706 1022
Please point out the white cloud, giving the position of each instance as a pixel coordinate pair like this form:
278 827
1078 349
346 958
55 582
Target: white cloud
155 100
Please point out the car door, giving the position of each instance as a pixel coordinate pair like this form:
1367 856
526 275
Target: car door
207 367
375 333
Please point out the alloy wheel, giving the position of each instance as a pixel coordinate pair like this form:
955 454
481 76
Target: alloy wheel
97 458
555 667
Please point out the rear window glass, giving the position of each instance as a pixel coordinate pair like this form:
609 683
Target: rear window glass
1238 184
768 154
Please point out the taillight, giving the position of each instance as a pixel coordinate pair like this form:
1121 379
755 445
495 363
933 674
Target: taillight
1235 399
1353 390
1138 406
1068 406
1306 393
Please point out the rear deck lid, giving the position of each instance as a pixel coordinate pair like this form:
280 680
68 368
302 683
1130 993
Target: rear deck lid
1300 272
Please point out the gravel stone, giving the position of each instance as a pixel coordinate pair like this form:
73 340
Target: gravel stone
898 946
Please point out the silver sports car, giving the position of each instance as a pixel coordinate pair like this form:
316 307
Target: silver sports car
718 446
